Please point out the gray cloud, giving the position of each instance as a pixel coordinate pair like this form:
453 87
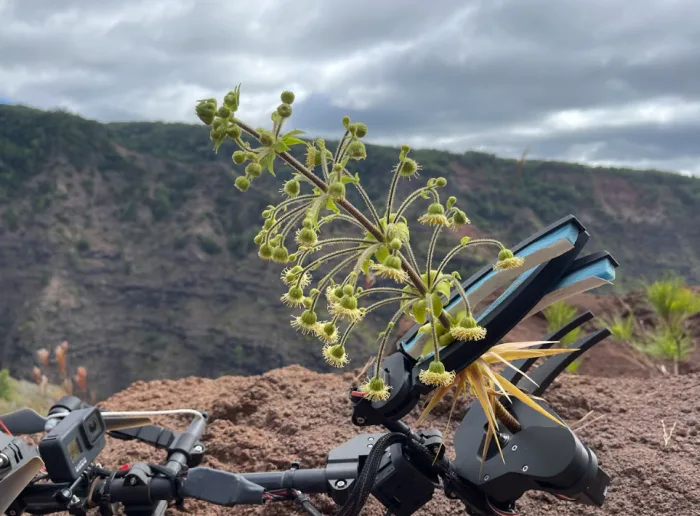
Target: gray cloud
601 81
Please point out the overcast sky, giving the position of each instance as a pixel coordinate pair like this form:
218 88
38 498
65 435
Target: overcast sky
596 81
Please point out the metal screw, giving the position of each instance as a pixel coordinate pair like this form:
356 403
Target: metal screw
198 449
12 512
525 468
361 420
369 445
486 477
4 461
514 447
132 481
370 438
340 484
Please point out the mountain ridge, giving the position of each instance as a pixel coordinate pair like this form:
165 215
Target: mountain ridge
129 241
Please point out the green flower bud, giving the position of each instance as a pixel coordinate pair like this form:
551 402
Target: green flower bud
348 302
440 181
266 214
505 254
357 150
408 168
287 97
266 139
306 237
309 318
280 254
317 157
206 111
330 328
346 121
224 112
348 290
284 110
308 302
238 157
258 238
293 257
292 188
392 262
308 223
251 156
265 251
337 190
269 223
242 183
395 244
231 100
460 218
436 209
295 293
361 130
234 132
253 170
216 125
405 148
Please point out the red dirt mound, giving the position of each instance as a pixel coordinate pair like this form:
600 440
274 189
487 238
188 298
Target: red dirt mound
264 422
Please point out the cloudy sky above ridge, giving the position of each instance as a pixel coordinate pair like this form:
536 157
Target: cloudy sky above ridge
596 81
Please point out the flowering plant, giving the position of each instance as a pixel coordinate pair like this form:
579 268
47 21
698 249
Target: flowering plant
373 243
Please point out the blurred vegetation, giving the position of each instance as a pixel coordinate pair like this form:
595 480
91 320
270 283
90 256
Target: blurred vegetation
6 390
558 314
672 304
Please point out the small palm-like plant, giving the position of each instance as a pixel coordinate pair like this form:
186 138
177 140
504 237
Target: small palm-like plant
371 243
673 303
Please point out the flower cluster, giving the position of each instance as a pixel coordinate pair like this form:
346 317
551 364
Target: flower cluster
374 244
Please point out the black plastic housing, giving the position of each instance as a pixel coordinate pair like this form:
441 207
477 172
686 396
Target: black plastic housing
70 447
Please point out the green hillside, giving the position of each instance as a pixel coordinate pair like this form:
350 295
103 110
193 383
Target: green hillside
129 241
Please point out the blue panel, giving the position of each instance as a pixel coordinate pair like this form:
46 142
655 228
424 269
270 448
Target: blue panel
569 232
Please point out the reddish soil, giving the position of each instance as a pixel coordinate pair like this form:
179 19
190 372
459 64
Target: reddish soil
263 422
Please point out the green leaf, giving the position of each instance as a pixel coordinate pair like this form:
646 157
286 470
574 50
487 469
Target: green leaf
437 304
464 240
280 146
267 161
293 141
365 266
350 179
419 311
330 205
382 254
424 195
293 133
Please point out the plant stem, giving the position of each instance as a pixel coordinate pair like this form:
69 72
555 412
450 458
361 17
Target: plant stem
347 206
431 251
453 252
392 192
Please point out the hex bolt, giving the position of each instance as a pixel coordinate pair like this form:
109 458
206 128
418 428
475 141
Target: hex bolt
340 484
370 438
525 468
514 447
486 477
369 445
198 449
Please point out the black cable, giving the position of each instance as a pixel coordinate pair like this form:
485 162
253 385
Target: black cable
364 484
303 501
